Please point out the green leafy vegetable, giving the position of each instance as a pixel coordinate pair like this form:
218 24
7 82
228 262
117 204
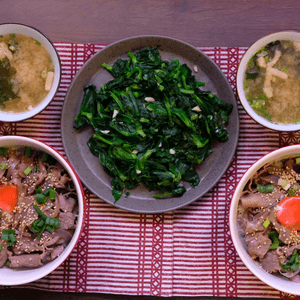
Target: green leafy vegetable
146 130
9 236
293 264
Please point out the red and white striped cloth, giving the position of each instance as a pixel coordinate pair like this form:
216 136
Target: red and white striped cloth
187 252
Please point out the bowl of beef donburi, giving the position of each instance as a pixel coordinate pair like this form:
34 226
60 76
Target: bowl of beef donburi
41 209
265 219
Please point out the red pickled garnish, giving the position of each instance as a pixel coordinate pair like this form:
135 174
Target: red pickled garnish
288 213
8 197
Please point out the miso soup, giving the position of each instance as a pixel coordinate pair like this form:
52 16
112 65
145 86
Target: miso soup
272 82
26 73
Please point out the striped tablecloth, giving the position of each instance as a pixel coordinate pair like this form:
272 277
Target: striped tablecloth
187 252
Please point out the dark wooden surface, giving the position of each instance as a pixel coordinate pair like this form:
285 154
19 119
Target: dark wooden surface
198 22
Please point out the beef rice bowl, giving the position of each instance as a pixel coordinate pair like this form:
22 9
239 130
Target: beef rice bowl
38 205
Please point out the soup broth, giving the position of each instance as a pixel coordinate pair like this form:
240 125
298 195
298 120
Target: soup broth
31 64
272 82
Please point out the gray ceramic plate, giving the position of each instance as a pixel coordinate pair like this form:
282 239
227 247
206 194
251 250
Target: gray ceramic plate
87 165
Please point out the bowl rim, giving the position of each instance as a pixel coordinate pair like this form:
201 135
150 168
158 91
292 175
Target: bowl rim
255 46
279 283
39 272
20 116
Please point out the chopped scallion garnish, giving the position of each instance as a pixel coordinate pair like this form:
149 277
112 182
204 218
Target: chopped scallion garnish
45 223
267 223
45 157
52 194
36 168
28 151
38 190
40 198
9 236
3 166
267 58
293 264
291 193
276 242
38 43
265 188
28 170
47 191
3 151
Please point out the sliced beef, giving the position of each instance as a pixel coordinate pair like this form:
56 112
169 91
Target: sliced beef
3 253
296 278
30 251
27 245
56 251
59 237
25 260
270 262
262 200
285 234
258 245
66 204
67 220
